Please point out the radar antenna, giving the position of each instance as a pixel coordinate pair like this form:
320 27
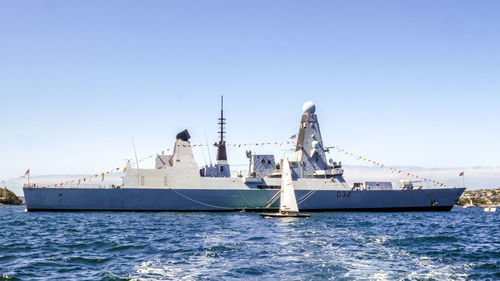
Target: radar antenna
221 146
222 120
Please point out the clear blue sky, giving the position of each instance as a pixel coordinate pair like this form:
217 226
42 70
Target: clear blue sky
403 82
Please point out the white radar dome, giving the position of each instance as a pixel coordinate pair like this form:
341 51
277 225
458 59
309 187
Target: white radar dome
309 107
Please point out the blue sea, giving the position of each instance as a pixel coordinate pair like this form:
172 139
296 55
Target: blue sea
463 244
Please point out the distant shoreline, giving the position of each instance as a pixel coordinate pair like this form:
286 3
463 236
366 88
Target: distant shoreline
9 198
480 198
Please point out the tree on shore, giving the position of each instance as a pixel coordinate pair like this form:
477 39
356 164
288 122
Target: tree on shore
8 197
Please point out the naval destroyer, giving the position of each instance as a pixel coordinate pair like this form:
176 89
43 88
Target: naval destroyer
178 184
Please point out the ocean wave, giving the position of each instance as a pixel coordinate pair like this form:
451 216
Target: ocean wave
459 245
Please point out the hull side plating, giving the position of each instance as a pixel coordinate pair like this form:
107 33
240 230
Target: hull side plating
138 199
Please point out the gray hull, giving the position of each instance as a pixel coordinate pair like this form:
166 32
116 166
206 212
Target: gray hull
139 199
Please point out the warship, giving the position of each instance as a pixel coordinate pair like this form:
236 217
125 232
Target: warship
177 183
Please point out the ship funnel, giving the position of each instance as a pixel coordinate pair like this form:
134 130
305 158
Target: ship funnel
184 135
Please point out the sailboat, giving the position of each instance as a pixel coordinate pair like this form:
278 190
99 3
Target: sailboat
288 202
490 209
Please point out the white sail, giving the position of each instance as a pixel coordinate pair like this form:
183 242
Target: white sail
288 203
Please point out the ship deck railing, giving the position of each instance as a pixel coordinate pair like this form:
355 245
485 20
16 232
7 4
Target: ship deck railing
98 186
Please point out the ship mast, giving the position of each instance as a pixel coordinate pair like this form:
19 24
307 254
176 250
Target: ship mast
221 146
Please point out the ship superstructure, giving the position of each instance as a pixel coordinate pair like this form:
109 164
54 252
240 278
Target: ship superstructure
178 184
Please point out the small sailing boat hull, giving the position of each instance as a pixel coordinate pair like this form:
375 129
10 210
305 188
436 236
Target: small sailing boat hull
283 215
